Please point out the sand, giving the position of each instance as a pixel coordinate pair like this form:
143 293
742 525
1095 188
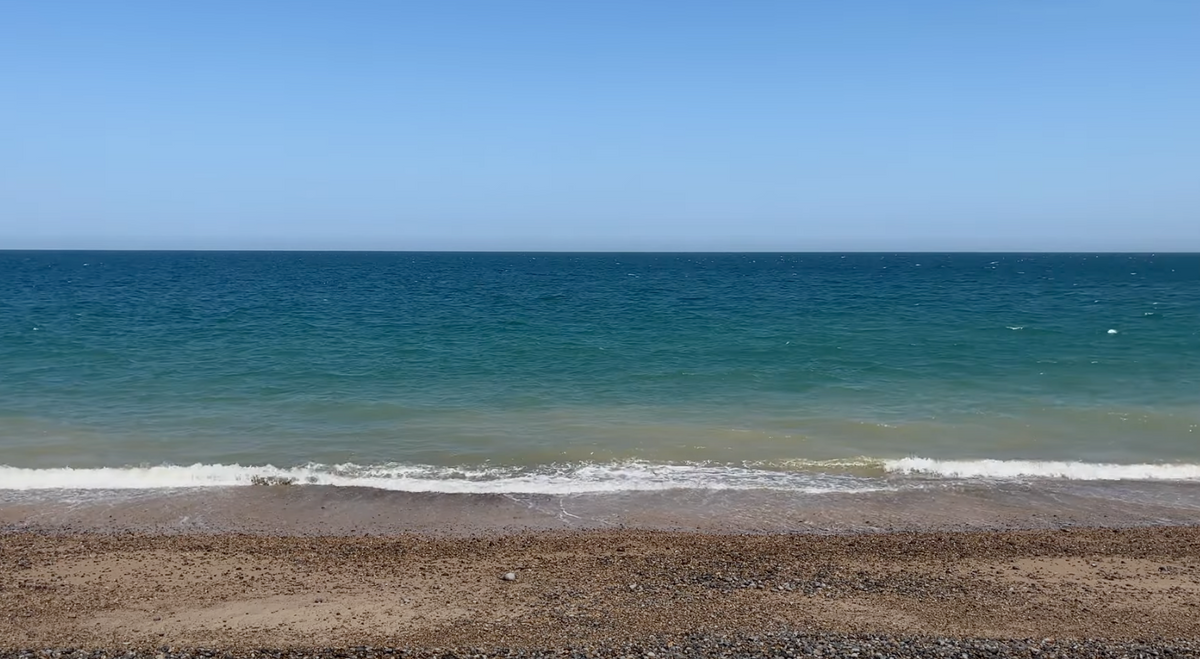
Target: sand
593 588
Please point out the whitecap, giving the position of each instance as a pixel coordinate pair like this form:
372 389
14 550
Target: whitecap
575 478
1024 469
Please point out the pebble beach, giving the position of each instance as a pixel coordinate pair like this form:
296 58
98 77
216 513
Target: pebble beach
1040 593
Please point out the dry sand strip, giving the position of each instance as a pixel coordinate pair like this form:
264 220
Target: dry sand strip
1020 593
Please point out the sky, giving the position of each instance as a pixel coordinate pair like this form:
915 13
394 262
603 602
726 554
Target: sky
1056 125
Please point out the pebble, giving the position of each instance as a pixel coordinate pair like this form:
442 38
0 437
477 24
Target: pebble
776 644
647 599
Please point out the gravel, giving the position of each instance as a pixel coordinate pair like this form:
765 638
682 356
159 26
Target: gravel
780 644
619 593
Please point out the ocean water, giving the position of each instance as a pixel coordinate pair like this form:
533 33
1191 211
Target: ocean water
569 374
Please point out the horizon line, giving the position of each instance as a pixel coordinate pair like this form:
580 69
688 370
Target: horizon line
588 251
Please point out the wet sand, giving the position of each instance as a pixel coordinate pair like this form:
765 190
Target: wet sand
340 511
899 594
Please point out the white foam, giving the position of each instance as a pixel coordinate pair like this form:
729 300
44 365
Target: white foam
1025 469
630 476
566 479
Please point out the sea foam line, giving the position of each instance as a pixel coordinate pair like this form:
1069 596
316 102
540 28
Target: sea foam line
1027 469
568 479
629 476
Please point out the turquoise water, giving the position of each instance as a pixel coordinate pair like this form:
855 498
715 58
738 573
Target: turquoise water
565 372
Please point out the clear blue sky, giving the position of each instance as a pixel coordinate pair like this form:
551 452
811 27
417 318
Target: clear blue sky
601 125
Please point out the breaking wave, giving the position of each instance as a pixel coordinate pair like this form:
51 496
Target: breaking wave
856 475
1030 469
566 479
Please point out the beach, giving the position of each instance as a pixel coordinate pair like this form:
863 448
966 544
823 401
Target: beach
345 454
1082 592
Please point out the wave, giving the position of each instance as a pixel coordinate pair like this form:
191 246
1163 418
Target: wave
802 476
1028 469
566 479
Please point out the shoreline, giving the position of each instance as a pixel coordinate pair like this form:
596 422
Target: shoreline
322 510
606 590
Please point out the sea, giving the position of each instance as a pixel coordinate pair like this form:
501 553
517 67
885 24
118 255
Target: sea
373 391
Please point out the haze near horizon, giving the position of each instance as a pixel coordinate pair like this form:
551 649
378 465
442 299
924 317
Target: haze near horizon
777 126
